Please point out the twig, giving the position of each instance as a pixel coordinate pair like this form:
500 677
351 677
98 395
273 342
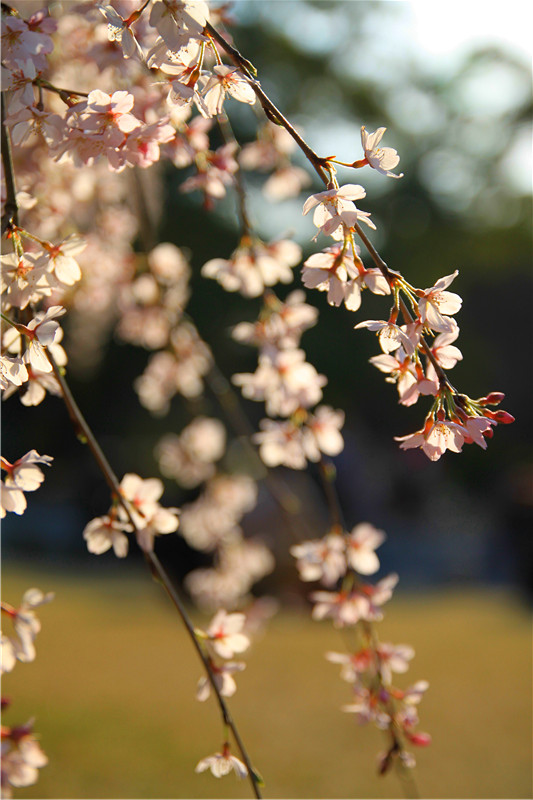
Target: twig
10 216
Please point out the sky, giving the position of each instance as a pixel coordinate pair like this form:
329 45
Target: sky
442 35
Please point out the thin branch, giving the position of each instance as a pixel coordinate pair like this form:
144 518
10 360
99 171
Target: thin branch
85 433
10 216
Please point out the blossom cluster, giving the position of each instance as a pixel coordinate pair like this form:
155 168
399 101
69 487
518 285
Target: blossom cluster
22 755
417 368
289 386
223 638
137 510
346 558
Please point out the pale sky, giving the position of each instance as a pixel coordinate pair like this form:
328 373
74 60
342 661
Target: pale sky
444 27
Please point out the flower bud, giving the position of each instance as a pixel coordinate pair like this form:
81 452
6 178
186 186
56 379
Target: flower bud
500 416
420 739
492 399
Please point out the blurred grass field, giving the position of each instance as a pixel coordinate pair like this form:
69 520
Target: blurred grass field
112 690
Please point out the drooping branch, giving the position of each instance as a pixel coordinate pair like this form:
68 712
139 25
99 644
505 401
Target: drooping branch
85 434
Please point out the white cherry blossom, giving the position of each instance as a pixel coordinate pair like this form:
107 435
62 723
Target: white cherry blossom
361 543
335 210
436 303
221 764
382 159
321 559
391 336
226 80
225 634
102 533
223 675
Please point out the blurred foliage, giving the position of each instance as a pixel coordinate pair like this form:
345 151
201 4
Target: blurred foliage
463 204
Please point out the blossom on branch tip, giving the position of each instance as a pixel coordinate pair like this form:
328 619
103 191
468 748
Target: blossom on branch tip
382 159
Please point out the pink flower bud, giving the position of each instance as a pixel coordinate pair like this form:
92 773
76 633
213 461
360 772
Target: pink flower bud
500 416
420 739
492 399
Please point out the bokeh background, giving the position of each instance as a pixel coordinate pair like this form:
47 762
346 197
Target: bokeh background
113 684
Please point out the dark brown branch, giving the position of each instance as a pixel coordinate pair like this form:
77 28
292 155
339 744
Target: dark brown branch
10 216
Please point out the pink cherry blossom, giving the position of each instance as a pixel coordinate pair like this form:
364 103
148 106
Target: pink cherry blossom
435 438
118 30
226 80
382 159
435 303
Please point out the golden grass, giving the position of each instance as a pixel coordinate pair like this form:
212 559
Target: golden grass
113 685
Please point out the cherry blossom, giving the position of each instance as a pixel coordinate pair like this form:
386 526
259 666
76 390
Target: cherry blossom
226 80
280 325
321 559
22 476
26 626
391 336
23 473
360 546
382 159
40 332
435 303
254 265
13 371
335 209
285 383
435 438
118 30
179 20
223 675
446 354
102 533
189 458
224 634
22 756
324 426
221 764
